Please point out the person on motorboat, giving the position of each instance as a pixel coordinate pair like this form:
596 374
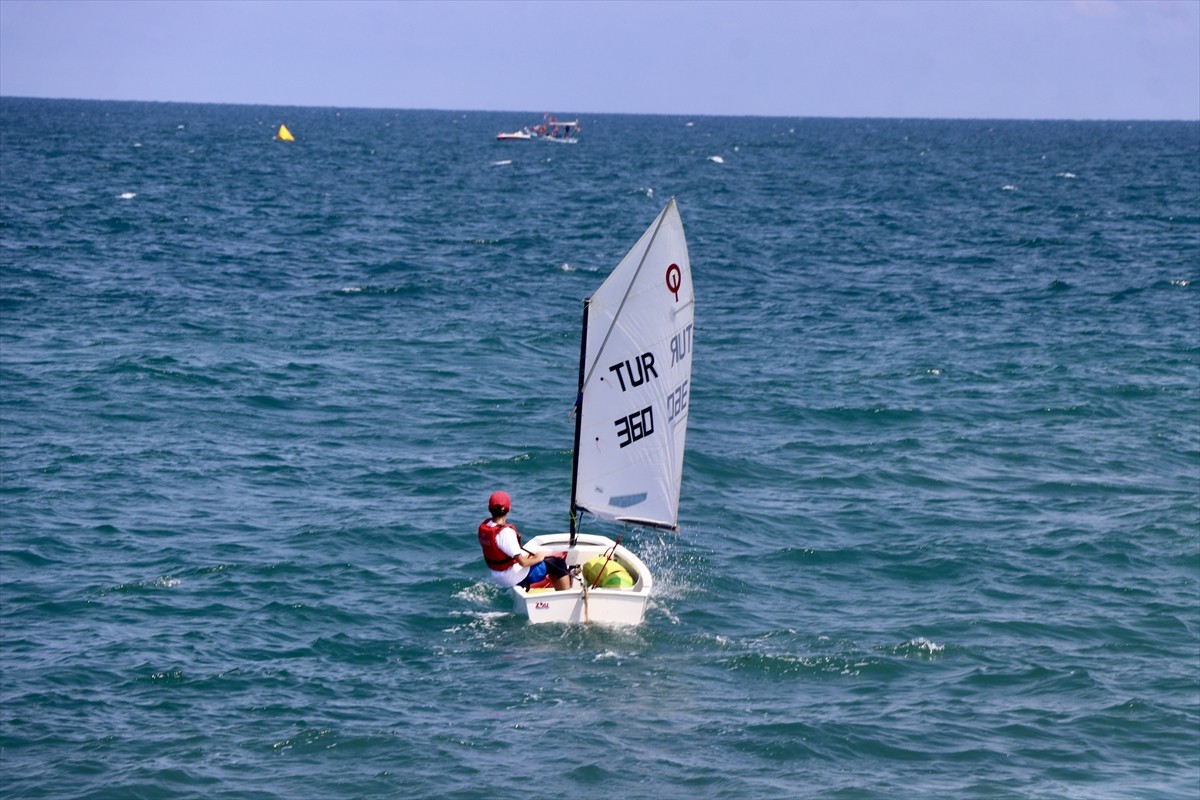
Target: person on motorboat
509 563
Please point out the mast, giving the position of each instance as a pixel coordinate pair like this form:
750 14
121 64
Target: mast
578 418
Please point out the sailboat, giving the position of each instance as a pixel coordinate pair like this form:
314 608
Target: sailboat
635 371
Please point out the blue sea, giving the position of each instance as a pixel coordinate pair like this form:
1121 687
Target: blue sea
940 520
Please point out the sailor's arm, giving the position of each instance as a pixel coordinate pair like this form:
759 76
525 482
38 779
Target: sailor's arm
527 559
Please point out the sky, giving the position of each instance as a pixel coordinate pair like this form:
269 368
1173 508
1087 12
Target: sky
994 59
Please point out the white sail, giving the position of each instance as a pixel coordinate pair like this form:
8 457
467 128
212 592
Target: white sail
636 374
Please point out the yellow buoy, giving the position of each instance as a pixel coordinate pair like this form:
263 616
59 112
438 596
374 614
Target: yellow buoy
284 134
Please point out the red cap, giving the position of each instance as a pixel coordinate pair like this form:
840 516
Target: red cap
499 503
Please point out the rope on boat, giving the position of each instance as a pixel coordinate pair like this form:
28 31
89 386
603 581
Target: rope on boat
611 552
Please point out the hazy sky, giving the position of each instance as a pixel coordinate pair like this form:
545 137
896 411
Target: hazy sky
1081 59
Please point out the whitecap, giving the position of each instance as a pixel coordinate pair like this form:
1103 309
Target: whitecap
1066 175
923 645
481 593
478 622
565 267
127 195
716 159
1008 187
503 163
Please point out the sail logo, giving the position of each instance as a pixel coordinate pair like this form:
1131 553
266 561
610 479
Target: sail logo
674 280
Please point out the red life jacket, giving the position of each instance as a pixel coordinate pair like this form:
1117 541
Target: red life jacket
496 558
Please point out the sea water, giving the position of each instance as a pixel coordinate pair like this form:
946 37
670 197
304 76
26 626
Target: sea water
940 525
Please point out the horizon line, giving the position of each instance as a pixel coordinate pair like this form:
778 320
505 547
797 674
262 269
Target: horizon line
602 113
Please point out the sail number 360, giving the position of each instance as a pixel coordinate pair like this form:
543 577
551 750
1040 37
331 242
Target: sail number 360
636 426
677 401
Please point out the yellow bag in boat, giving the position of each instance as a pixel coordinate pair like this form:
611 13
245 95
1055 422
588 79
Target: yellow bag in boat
612 575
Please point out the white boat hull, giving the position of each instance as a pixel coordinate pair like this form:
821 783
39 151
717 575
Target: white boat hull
580 604
527 136
551 130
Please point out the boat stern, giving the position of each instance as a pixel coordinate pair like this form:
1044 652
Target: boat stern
580 604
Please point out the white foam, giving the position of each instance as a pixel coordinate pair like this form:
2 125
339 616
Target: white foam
478 623
481 593
127 195
921 643
1008 187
